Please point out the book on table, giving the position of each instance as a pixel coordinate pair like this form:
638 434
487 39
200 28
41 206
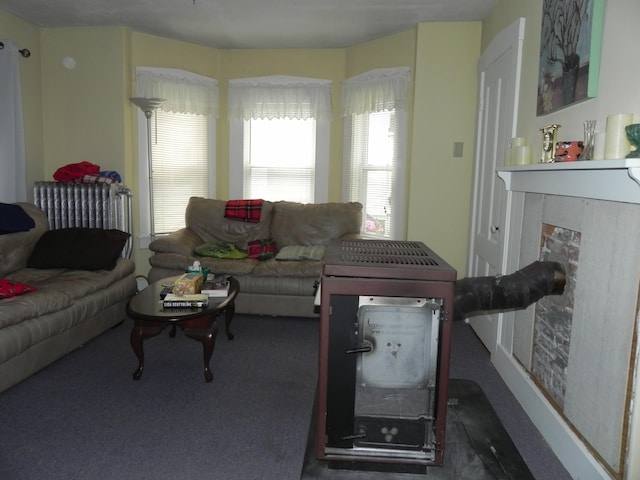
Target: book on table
193 300
218 286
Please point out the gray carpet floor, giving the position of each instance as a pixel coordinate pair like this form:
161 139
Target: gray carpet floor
85 418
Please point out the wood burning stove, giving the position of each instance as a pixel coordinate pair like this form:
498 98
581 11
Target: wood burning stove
385 313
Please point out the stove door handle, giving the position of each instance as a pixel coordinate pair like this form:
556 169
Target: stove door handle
360 349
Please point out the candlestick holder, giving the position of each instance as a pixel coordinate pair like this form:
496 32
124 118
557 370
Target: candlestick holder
549 140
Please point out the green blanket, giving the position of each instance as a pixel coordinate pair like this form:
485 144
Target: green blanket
219 250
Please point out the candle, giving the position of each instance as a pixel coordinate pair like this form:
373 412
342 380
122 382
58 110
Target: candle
616 143
518 142
522 155
514 143
598 146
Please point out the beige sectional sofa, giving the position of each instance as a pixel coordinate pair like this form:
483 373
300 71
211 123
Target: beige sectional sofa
267 287
68 307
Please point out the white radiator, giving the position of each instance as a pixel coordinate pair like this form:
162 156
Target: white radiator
89 205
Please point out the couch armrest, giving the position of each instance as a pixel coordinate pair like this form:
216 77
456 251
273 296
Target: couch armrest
182 241
16 248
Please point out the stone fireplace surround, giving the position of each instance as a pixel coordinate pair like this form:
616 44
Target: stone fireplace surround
573 365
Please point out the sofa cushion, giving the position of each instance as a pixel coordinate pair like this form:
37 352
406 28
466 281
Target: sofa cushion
313 224
219 250
301 269
78 248
57 289
12 288
298 253
205 216
175 262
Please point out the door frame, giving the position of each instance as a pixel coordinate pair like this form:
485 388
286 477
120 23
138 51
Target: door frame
509 40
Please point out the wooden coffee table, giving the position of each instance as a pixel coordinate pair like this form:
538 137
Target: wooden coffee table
150 318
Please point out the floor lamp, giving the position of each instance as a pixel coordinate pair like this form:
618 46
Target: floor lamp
148 105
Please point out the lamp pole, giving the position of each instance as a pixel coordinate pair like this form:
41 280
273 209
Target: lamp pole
148 105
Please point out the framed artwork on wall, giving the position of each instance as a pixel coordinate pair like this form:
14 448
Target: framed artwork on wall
570 39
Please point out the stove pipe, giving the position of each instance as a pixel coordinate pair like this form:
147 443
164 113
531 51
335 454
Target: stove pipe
508 292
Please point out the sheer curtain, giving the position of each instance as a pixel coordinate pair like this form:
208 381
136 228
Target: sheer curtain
261 107
13 181
280 96
374 105
184 92
378 90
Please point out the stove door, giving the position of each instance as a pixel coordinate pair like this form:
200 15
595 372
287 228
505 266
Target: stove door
396 375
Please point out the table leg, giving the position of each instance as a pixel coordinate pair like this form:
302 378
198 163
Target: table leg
138 334
228 316
208 339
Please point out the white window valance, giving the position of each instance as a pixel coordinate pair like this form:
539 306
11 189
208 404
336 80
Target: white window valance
183 91
279 97
378 90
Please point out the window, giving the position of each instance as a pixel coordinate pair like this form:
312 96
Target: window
179 131
181 167
371 168
375 149
279 159
279 140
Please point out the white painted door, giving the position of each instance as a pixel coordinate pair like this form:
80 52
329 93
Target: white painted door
498 79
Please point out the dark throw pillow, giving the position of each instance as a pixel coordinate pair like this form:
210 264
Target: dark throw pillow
78 249
13 219
12 288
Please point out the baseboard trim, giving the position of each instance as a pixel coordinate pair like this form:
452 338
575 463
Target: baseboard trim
566 445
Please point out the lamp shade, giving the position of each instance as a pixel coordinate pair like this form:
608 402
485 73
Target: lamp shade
147 104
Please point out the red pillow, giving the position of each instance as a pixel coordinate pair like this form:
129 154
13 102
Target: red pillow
12 288
262 249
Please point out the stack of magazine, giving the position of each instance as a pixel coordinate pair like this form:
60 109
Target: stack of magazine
216 286
193 300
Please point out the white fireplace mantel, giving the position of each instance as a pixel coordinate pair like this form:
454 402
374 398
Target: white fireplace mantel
614 180
600 225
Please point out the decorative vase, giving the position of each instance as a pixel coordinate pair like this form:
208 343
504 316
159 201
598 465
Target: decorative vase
633 134
589 140
569 151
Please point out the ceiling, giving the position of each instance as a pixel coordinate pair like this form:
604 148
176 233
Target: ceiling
261 24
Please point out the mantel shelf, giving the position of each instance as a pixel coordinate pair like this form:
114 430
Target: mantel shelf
614 180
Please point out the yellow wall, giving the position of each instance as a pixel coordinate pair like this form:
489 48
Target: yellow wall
84 107
444 113
26 35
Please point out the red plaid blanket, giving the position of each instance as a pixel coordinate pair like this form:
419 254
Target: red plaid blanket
244 210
